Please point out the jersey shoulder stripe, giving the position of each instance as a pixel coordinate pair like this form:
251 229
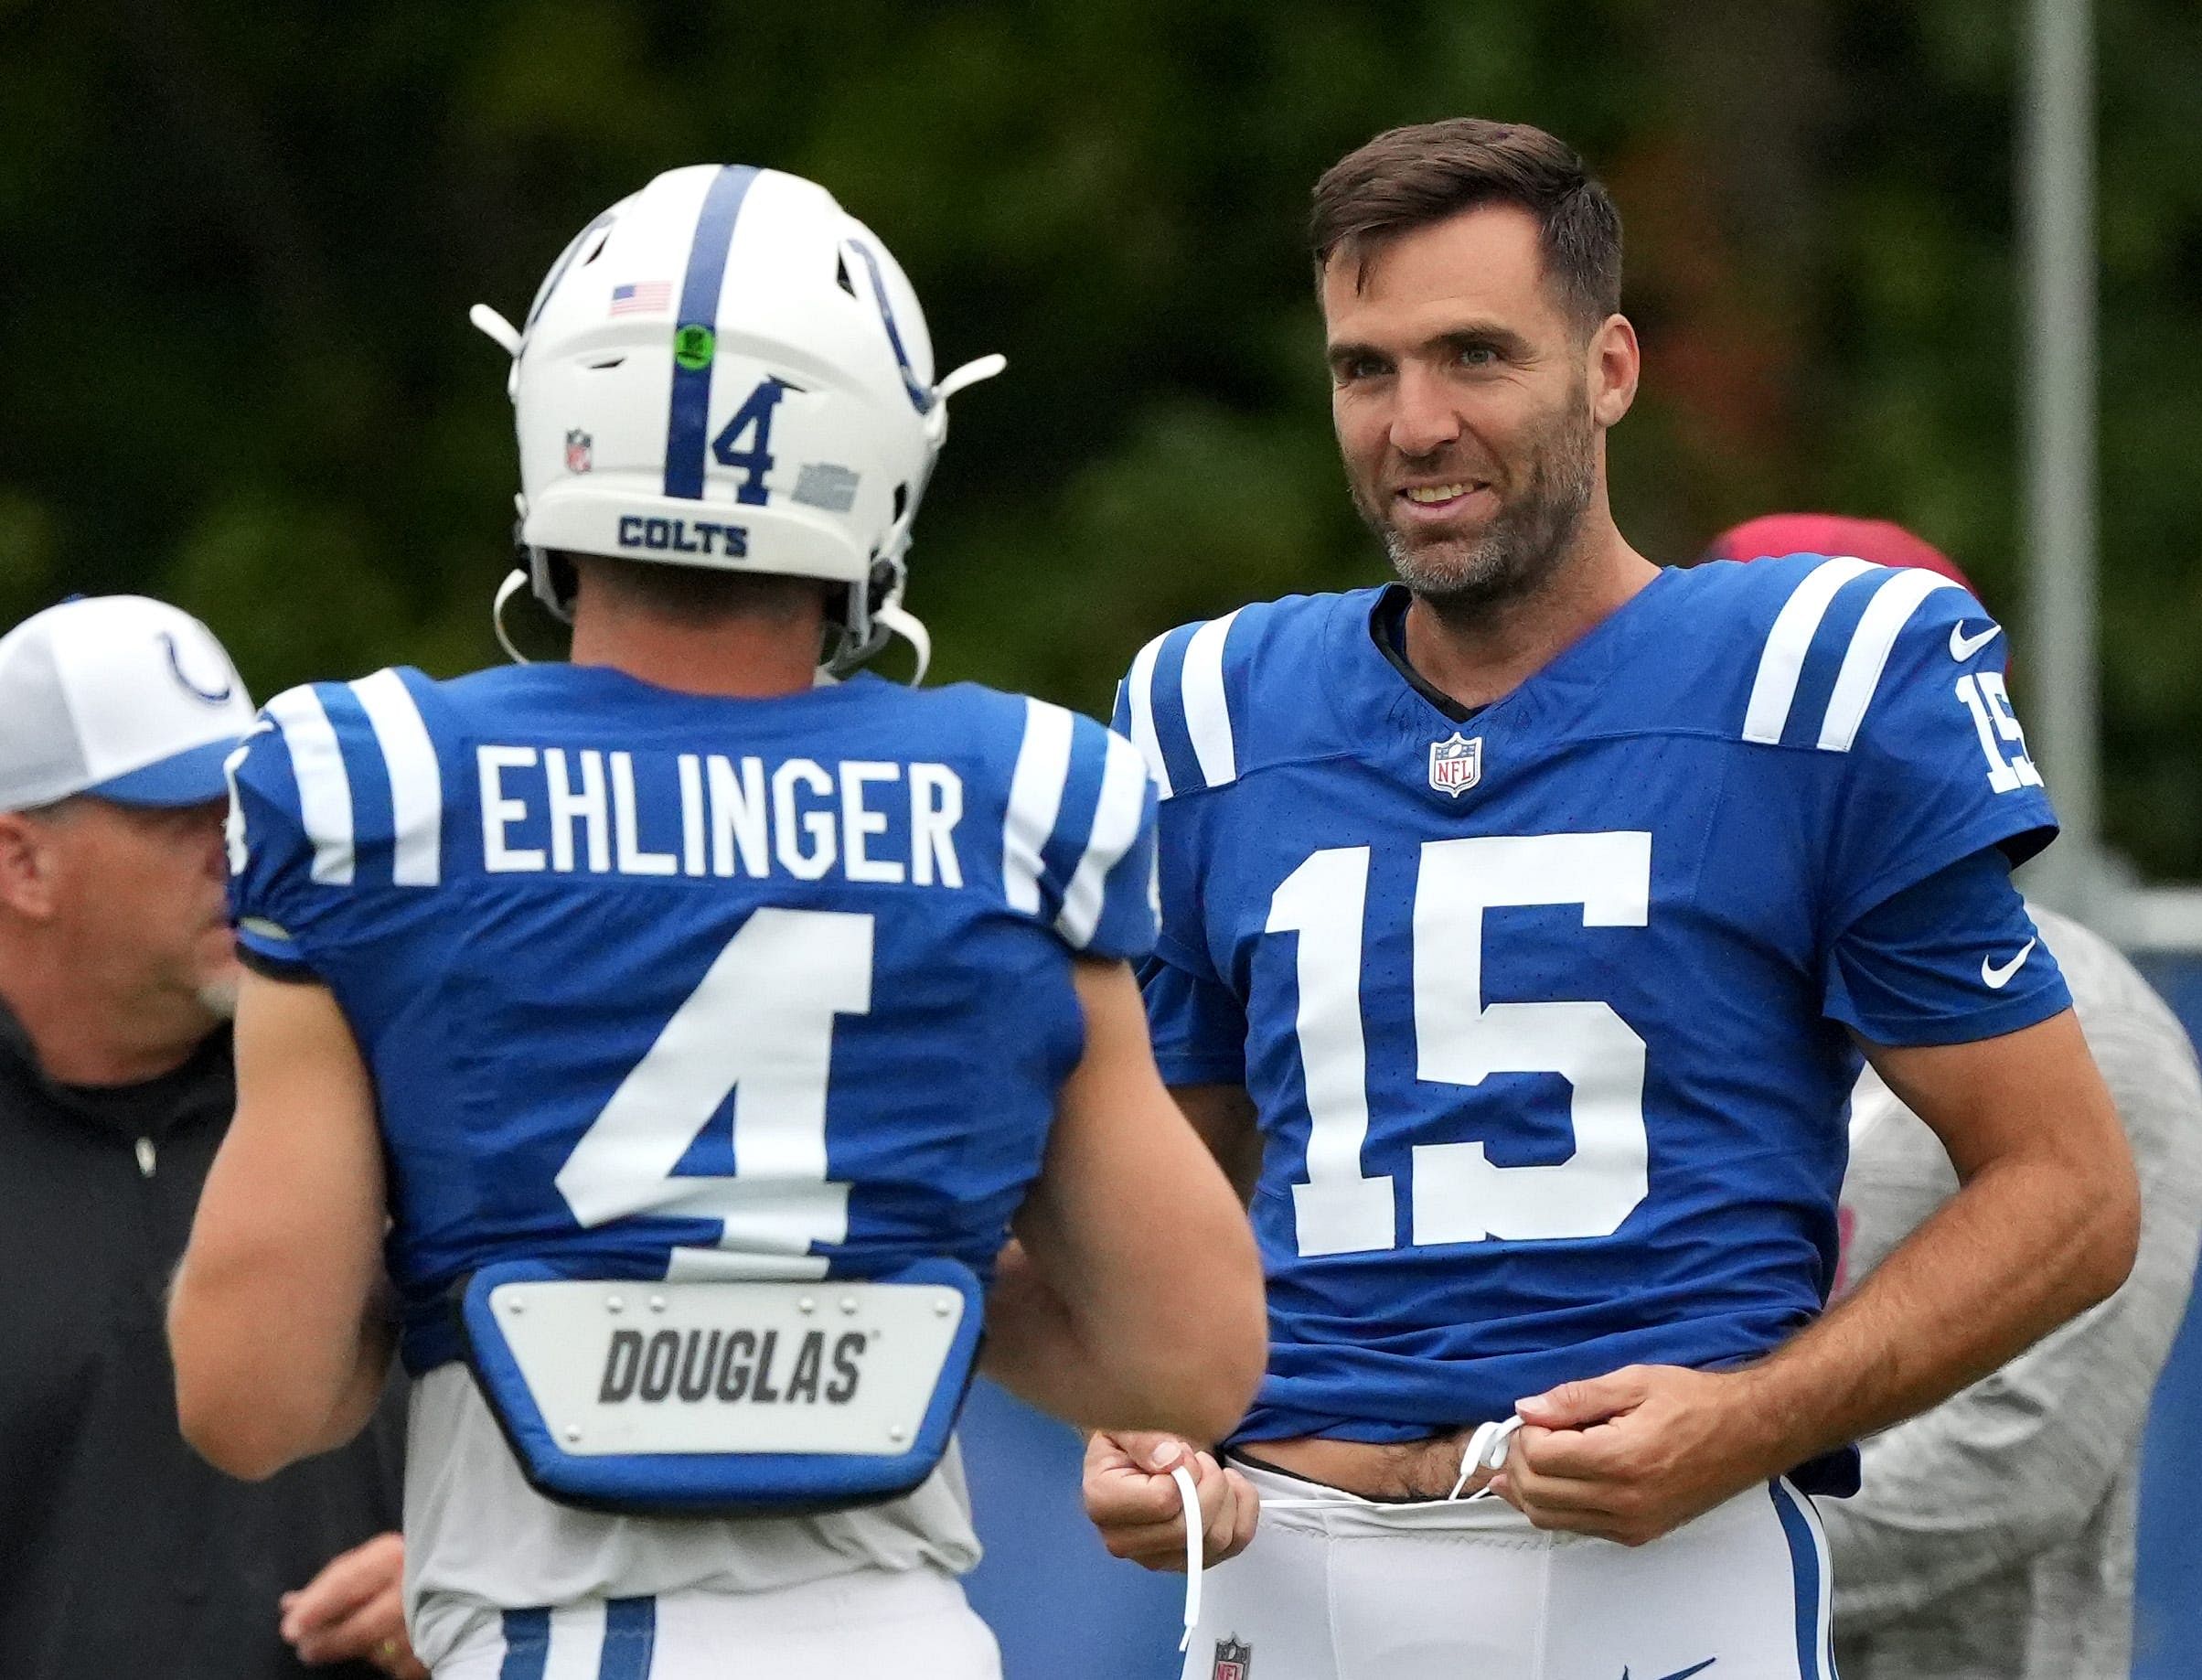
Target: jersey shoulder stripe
1175 708
416 780
1118 812
358 750
325 792
1207 712
1841 606
1044 766
1076 804
1891 608
1136 704
1781 661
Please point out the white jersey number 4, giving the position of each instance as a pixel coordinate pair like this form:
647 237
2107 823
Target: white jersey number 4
759 1025
1459 1194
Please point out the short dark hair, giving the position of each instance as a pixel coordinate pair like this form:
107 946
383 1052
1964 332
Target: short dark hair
1412 177
697 595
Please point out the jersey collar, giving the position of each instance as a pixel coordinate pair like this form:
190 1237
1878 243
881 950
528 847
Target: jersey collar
1559 689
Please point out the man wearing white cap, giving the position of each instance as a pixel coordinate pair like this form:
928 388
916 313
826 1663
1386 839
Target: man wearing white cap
122 1554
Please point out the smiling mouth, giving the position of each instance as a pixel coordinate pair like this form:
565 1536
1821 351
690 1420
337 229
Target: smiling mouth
1438 496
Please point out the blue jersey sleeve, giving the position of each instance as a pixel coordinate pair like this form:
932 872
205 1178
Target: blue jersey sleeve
281 880
1937 766
1938 800
336 791
1078 836
1198 1023
1949 959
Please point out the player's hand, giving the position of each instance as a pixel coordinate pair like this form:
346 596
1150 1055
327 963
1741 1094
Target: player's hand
1133 1499
354 1609
1633 1455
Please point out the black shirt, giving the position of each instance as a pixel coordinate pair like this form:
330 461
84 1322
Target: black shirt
122 1554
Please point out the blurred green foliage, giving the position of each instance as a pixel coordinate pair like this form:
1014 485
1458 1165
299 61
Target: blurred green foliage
237 246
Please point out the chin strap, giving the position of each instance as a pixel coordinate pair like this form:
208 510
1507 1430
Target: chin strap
891 617
515 582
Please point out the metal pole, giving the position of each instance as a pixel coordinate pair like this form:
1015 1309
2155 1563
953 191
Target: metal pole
2056 202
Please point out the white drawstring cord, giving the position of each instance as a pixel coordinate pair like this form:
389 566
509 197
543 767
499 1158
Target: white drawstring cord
1190 1497
1486 1450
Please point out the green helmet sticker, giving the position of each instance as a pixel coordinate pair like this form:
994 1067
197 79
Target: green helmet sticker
692 347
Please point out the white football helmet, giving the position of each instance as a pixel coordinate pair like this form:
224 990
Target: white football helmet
729 371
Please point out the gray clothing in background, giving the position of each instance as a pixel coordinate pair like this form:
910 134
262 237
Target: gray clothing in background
1995 1536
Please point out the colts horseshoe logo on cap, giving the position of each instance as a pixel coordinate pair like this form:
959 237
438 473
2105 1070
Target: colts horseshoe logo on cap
213 697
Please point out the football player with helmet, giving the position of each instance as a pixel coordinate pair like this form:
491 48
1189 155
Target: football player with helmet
659 1050
1523 923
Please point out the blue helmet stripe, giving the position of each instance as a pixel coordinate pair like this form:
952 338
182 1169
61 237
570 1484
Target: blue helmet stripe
690 415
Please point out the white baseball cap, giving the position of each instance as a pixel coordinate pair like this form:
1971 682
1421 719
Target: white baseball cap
117 696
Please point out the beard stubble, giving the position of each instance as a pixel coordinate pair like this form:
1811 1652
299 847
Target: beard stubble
1527 538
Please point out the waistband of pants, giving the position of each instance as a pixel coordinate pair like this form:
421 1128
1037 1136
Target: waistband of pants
1316 1508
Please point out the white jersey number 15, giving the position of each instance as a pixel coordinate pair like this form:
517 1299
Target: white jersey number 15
1459 1194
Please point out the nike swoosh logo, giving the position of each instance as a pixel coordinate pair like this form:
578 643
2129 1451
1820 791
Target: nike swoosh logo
1963 647
1683 1674
1995 978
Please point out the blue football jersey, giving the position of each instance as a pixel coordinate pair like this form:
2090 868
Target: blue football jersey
654 984
1547 1010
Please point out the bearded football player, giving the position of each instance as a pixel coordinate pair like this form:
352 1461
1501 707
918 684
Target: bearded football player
1524 922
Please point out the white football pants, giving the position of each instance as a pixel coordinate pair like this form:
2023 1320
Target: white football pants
1340 1588
915 1625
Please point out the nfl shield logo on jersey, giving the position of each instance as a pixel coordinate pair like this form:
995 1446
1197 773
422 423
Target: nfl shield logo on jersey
1233 1660
1456 765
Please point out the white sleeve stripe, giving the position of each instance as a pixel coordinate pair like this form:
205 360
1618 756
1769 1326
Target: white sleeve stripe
1115 825
416 783
1885 615
233 826
1774 690
1043 765
1140 685
325 795
1207 717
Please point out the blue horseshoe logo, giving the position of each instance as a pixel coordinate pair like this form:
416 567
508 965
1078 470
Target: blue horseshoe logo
920 398
212 697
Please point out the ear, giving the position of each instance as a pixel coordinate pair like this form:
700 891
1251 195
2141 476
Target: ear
28 866
1617 361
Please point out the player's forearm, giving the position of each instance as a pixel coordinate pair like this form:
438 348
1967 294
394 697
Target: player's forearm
251 1398
1039 1348
363 1386
2025 1244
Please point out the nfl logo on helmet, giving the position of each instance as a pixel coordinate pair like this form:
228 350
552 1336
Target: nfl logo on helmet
1233 1661
1456 764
